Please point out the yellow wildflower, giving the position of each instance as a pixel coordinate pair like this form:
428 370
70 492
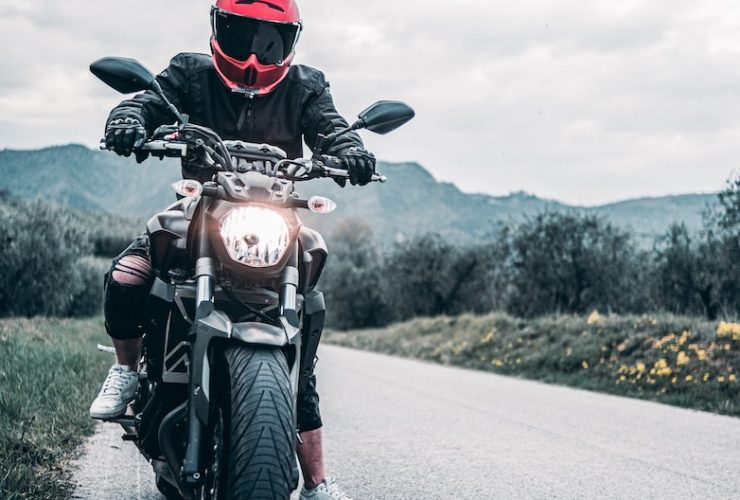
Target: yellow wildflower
594 318
706 377
732 378
683 359
702 354
727 347
662 369
489 337
622 378
689 378
684 337
659 343
731 330
640 366
584 364
720 379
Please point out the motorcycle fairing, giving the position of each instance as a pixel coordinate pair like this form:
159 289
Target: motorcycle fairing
168 232
313 257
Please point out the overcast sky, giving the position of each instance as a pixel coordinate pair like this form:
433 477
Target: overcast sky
584 101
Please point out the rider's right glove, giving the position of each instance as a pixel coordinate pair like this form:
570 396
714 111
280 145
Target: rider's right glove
361 165
124 136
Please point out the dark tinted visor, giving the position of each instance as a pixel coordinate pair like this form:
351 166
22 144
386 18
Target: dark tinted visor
240 37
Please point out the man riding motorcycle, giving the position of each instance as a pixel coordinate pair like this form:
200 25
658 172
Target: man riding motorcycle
246 90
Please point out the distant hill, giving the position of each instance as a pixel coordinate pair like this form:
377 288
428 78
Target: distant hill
412 202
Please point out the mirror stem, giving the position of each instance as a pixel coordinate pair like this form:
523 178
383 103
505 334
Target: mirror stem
359 124
183 119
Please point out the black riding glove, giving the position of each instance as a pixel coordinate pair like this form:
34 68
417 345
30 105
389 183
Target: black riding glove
125 135
360 164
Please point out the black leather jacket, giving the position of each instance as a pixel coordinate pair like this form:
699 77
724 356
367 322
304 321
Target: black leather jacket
300 108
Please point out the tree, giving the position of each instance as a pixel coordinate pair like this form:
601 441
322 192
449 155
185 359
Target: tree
353 281
39 252
570 263
676 272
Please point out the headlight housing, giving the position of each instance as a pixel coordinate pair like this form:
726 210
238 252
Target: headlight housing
255 236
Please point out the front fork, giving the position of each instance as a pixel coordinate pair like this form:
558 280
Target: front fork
206 328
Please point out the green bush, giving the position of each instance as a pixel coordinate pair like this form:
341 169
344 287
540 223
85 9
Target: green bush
47 266
38 259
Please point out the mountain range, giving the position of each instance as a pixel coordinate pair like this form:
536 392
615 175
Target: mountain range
411 202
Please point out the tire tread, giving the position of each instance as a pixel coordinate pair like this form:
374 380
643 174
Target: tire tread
261 419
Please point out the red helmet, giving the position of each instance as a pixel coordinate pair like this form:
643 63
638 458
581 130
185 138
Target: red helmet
253 42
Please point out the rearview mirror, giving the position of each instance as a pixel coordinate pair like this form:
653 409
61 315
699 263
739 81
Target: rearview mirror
385 116
128 76
122 74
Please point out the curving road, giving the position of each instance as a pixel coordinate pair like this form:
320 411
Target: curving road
400 429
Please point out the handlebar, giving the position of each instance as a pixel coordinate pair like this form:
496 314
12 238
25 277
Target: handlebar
169 148
327 166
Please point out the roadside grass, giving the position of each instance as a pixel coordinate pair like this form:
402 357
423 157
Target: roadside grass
49 374
675 360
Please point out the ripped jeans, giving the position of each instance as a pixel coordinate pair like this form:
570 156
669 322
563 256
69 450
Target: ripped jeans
127 286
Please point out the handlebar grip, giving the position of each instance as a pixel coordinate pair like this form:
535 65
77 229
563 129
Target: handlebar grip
344 174
332 162
174 149
336 167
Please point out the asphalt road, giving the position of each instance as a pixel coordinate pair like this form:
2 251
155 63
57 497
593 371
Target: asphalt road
400 429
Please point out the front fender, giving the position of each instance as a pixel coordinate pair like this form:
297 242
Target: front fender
260 333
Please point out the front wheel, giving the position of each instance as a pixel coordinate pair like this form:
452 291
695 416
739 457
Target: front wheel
259 435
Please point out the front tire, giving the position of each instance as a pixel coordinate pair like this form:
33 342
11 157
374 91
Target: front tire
259 423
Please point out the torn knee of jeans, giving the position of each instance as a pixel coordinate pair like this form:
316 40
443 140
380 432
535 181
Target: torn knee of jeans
132 270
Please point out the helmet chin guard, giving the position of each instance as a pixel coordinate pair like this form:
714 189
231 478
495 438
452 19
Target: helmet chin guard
253 42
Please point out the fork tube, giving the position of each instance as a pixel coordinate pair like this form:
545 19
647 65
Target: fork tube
289 290
205 275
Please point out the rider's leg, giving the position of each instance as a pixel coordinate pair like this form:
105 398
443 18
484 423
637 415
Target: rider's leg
310 447
311 456
126 287
128 352
316 485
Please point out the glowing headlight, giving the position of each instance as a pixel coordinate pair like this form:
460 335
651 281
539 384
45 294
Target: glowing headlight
255 236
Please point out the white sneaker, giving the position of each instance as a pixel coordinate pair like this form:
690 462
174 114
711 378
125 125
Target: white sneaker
328 490
119 389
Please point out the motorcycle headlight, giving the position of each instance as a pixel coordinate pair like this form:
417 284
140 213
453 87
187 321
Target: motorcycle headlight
255 236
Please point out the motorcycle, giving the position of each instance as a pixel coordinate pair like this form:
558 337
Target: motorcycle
234 316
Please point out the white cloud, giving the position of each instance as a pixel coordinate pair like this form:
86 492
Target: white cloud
580 101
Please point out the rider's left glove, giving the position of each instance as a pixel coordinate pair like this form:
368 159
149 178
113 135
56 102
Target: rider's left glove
124 136
360 164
